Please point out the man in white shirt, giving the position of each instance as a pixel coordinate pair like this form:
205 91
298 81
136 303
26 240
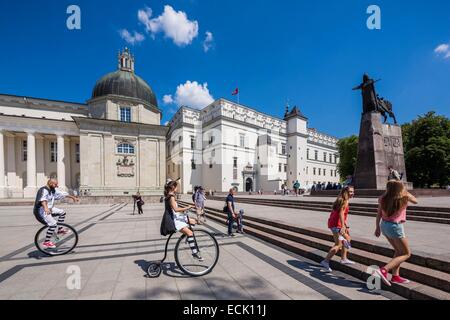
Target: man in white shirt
45 211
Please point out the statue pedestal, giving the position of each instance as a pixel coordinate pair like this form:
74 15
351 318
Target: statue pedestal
380 146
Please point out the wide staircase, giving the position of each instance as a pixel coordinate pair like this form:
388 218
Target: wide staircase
415 213
429 275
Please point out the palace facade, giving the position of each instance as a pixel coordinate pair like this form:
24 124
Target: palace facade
229 145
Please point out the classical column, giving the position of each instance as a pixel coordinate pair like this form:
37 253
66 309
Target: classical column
61 167
2 167
11 164
30 190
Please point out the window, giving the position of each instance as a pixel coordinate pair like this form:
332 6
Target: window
24 150
324 157
307 153
192 142
180 138
331 158
53 152
77 153
242 140
283 148
314 171
335 158
320 171
235 162
213 153
324 172
235 170
193 166
307 169
210 165
211 139
168 168
125 114
125 148
285 168
279 167
316 155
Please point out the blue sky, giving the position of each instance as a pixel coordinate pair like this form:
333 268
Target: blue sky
310 52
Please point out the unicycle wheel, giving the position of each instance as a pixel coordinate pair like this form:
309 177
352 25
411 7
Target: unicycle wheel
154 269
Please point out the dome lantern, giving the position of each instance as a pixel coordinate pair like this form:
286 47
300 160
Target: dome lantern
126 60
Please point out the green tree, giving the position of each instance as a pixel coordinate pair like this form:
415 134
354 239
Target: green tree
426 142
347 148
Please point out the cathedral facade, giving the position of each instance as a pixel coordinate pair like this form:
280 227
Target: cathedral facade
111 145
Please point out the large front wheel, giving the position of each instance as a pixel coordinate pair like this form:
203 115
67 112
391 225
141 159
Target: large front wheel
208 248
64 242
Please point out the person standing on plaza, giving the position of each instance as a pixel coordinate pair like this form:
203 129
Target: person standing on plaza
296 187
230 211
138 202
337 223
390 221
199 202
393 174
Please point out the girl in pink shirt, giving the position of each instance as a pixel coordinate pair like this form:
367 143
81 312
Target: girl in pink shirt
390 221
337 223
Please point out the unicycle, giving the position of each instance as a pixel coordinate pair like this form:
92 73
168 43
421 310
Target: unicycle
64 243
206 245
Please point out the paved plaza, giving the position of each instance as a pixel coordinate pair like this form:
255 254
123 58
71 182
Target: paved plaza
116 246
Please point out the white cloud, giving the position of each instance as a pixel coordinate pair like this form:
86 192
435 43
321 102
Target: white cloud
208 42
174 24
192 94
132 39
144 16
167 99
444 50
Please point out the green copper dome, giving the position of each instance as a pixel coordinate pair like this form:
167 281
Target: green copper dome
125 83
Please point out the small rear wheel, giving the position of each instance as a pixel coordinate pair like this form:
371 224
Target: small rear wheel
154 269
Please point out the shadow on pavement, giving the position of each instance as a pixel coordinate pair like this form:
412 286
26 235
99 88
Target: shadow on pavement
315 271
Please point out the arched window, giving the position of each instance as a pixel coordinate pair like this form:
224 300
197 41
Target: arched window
125 148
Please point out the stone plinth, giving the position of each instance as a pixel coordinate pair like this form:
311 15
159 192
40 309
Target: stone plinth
380 146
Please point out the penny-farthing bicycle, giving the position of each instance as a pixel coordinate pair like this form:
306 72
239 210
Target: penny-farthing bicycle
207 246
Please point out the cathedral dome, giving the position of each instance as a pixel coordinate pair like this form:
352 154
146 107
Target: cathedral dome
125 83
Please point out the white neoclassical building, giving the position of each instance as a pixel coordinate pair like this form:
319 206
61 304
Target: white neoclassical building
227 144
111 145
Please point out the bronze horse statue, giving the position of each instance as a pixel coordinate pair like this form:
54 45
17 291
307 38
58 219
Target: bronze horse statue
372 102
385 107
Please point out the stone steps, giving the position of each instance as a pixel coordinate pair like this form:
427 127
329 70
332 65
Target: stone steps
430 278
415 213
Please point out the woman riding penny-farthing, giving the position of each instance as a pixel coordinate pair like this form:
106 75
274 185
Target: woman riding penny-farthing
196 251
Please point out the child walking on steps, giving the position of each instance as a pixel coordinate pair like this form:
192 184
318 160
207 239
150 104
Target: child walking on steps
390 222
337 223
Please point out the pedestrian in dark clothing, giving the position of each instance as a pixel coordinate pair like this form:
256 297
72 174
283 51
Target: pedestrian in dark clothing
230 210
138 202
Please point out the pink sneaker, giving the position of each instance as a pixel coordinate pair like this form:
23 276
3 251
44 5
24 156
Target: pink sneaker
400 280
63 231
49 245
382 272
